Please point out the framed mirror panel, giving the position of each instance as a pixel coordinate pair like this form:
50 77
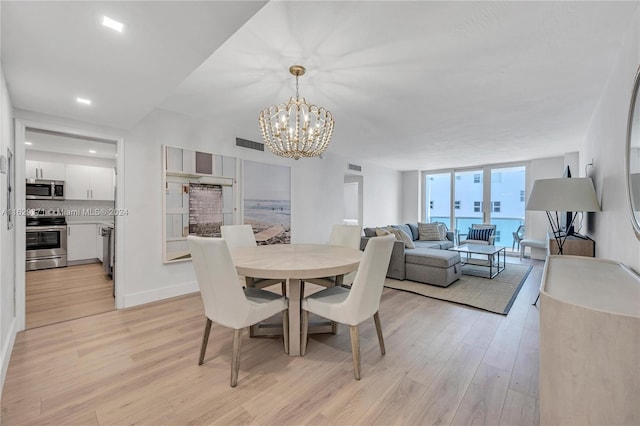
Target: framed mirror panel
633 156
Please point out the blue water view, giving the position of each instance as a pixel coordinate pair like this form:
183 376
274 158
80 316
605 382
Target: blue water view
274 212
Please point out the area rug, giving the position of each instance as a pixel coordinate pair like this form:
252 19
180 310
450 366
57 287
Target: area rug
496 295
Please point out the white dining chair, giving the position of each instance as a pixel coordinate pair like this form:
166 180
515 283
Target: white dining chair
225 302
341 236
239 236
351 307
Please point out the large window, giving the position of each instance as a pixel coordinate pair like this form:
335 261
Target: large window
468 190
438 197
482 195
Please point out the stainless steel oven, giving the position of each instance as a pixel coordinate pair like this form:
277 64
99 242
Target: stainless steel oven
46 243
39 189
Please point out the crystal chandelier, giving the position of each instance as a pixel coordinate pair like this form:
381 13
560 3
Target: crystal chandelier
296 129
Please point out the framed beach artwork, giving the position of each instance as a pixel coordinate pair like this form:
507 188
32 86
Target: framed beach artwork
267 201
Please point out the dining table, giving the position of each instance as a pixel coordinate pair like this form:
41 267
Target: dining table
295 263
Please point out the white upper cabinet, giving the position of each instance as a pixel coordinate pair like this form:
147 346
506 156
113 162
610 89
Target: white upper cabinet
89 183
102 184
45 170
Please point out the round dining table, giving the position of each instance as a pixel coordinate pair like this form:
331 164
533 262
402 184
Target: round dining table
295 263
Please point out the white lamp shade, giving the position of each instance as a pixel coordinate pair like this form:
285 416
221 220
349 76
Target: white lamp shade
564 195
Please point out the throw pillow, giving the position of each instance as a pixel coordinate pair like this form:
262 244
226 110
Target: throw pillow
381 232
442 228
429 232
394 231
408 241
481 234
414 231
405 229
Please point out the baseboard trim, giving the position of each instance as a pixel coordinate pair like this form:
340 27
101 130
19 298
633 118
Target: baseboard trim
149 296
7 348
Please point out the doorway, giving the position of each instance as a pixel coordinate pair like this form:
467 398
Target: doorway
352 203
77 276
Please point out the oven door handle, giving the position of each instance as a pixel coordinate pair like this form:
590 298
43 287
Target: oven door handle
45 228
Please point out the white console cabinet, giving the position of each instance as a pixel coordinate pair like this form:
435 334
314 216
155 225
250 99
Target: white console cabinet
589 342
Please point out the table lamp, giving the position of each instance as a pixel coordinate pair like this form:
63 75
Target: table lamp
562 195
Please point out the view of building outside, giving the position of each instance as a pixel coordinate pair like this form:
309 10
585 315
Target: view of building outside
505 208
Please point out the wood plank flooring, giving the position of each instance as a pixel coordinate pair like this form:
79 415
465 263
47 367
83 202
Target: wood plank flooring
62 294
445 364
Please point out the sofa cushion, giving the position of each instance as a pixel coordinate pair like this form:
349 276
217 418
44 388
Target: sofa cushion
427 244
432 257
414 231
429 232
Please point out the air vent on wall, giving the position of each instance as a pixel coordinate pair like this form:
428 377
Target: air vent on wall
244 143
355 167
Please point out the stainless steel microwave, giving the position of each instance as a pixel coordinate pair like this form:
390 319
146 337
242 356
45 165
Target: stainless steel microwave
40 189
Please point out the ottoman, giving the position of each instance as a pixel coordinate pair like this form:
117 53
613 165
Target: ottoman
432 266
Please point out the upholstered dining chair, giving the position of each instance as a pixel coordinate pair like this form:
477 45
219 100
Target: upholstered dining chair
342 236
225 302
351 307
239 236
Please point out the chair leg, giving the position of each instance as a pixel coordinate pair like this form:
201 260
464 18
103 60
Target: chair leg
355 351
205 340
283 286
305 332
285 330
376 319
235 357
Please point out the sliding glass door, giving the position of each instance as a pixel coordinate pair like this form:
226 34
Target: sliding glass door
490 194
468 199
438 198
507 202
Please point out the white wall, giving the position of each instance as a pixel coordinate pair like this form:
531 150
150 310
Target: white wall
7 239
316 199
605 142
411 197
350 201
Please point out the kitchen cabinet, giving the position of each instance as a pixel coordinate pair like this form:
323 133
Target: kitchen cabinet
45 170
82 241
89 183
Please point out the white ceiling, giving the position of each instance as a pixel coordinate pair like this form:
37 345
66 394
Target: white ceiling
412 85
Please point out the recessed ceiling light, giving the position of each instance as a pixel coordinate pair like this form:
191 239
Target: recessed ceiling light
113 24
28 143
83 101
92 151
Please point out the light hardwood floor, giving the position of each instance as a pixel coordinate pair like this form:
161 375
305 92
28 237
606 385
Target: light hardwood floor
62 294
445 364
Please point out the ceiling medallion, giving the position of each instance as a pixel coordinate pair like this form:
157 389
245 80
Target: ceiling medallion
296 129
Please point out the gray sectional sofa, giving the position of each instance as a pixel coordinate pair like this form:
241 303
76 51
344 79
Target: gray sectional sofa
429 262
